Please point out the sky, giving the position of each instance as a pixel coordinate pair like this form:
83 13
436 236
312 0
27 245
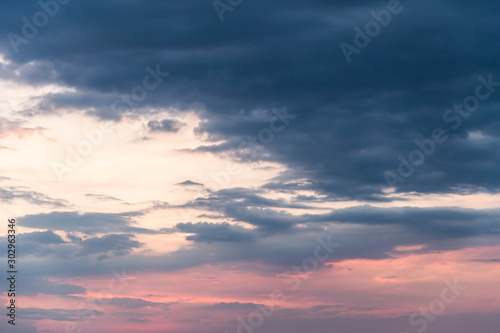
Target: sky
237 166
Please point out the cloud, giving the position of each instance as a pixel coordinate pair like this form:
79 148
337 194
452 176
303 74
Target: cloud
278 238
136 303
270 215
42 237
346 124
89 223
488 260
48 244
135 320
353 121
223 306
55 314
114 244
215 232
21 327
189 183
12 193
101 197
165 125
243 197
36 285
18 128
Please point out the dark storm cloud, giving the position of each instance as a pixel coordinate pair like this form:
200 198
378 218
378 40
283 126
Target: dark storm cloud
355 120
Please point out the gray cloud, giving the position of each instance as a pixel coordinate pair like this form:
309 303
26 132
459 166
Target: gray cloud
48 244
36 285
54 314
101 197
89 223
215 232
12 193
352 120
114 245
136 320
42 237
136 303
189 183
165 125
223 306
